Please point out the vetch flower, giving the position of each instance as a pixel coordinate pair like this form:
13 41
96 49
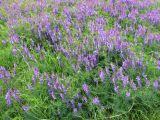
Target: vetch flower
14 51
146 80
127 94
125 80
73 103
8 97
62 96
64 89
12 93
140 31
48 81
75 112
96 101
16 94
156 85
85 88
102 75
53 95
116 89
139 81
126 64
26 51
34 80
41 80
133 85
14 38
79 106
113 67
36 72
8 76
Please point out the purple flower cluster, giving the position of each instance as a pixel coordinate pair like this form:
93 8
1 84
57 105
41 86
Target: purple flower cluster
102 75
35 76
5 75
12 94
96 101
86 89
55 86
152 16
85 33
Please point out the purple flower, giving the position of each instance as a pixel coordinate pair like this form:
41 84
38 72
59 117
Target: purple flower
133 85
132 15
75 112
126 64
8 75
85 88
8 97
158 64
156 85
146 80
102 75
48 81
125 80
26 50
120 73
53 95
44 22
38 48
149 38
41 80
1 75
56 85
14 38
127 94
116 89
73 103
110 45
96 101
79 106
64 89
16 94
139 81
158 38
140 31
14 51
55 10
41 3
34 80
62 96
113 67
36 72
152 16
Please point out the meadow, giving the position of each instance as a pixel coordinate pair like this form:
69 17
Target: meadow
79 60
